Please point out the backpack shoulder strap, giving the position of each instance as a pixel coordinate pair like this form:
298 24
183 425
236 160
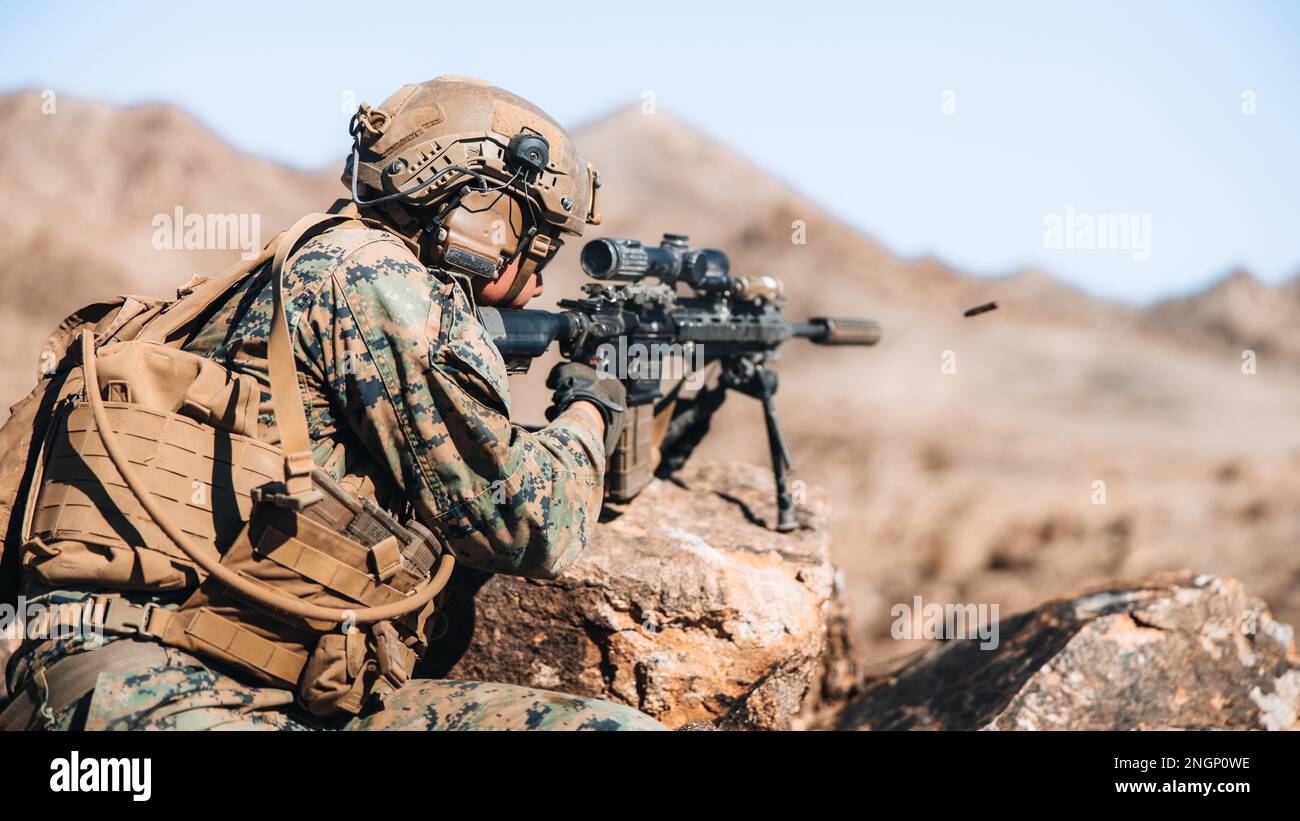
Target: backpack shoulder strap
181 313
282 368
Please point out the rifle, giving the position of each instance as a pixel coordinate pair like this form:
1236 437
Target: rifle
696 311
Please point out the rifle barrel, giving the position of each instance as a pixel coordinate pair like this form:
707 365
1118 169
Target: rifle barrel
830 330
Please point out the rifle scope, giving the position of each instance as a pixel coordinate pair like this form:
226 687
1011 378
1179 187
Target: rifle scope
628 260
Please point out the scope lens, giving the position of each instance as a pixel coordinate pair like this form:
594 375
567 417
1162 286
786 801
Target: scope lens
598 257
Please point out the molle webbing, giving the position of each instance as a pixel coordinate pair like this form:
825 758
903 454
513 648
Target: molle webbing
157 481
205 483
366 523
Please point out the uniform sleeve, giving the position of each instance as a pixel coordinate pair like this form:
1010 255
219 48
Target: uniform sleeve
417 378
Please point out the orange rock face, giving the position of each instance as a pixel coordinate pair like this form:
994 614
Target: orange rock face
684 602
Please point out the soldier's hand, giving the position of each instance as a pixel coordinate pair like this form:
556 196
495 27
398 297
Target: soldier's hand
576 382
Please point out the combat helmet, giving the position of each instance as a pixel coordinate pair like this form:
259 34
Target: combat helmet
483 176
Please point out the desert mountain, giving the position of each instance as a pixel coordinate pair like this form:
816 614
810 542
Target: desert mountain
1238 312
1059 441
82 188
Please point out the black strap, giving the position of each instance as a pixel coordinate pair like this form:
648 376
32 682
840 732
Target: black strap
72 677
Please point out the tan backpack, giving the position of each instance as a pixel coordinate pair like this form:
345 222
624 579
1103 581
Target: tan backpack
145 473
25 430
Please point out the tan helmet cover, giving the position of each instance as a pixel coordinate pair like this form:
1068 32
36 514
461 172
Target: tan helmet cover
411 140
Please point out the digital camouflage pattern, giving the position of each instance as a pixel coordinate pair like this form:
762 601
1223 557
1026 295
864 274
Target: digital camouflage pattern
403 384
478 705
185 694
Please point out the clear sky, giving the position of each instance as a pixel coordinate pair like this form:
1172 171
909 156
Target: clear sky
961 129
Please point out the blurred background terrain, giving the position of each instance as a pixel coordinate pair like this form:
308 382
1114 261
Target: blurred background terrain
973 486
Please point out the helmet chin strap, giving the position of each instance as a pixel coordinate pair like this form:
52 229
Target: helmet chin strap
517 287
526 268
537 249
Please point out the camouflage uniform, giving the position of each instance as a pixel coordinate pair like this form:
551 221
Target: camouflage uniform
404 388
185 693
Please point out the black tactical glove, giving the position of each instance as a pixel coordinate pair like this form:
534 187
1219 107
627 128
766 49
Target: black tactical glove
576 382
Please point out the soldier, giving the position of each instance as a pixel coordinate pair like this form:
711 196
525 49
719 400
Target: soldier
461 193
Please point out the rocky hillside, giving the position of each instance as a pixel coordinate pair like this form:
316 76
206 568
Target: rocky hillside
687 609
1074 440
1166 653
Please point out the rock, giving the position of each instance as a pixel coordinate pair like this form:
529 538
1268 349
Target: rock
684 605
698 726
778 694
783 690
1171 652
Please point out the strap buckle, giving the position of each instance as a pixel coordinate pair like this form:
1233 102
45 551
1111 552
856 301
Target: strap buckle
390 653
126 617
276 494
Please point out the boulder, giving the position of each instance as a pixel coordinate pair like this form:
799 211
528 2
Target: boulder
685 605
1171 652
